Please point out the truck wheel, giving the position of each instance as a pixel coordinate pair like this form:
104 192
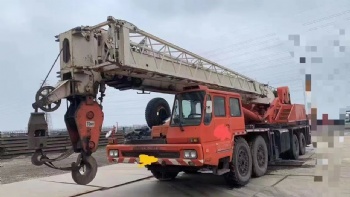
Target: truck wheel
157 111
164 176
294 153
259 155
241 166
302 144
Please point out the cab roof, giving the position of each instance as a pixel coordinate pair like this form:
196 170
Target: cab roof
205 88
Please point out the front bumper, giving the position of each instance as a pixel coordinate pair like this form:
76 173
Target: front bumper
167 154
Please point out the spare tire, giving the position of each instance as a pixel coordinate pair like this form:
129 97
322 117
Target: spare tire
157 111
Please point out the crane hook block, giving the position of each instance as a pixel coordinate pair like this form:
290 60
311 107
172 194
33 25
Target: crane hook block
37 131
88 119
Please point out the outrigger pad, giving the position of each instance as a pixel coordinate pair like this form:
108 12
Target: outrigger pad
37 131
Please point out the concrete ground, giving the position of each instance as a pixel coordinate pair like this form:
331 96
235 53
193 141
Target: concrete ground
130 180
21 168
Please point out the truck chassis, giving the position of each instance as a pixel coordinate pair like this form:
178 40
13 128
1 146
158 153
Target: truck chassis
253 152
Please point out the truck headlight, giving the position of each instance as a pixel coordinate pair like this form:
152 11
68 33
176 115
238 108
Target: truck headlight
190 154
113 153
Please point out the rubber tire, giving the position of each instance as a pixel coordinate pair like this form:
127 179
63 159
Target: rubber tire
233 178
36 159
294 152
168 176
152 108
302 144
259 170
91 166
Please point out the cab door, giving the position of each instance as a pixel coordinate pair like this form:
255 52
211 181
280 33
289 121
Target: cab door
222 126
221 120
216 119
216 136
236 116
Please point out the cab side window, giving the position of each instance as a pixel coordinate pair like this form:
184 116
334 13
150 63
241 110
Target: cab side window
186 108
235 108
219 106
208 116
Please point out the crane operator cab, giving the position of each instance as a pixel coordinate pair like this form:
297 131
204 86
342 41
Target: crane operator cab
197 111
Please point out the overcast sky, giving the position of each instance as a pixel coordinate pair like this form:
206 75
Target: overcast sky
250 37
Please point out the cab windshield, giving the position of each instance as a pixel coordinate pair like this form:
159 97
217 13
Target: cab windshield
188 109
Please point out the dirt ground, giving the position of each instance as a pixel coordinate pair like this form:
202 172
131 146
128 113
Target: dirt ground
20 168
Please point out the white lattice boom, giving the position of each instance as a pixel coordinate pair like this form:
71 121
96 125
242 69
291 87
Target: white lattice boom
126 57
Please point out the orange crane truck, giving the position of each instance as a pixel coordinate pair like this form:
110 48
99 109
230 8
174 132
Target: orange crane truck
221 120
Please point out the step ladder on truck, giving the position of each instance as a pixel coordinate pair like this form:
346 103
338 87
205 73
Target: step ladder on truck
221 120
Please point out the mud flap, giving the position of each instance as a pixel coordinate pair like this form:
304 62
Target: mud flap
37 131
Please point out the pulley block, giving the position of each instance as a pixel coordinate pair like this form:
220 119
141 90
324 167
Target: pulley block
41 99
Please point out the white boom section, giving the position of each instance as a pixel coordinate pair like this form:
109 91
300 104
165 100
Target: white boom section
125 57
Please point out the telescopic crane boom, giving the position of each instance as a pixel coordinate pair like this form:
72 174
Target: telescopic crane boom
116 57
118 54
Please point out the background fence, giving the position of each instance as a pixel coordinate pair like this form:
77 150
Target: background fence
15 143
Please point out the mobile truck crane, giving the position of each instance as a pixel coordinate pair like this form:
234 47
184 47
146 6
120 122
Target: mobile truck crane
221 120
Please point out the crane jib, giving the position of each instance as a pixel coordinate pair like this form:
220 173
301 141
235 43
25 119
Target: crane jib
126 57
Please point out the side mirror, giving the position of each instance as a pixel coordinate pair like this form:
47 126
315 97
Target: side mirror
209 107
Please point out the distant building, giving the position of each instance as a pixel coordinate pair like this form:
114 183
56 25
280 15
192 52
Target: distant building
347 117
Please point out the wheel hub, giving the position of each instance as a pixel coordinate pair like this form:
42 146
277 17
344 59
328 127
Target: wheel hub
243 162
162 114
